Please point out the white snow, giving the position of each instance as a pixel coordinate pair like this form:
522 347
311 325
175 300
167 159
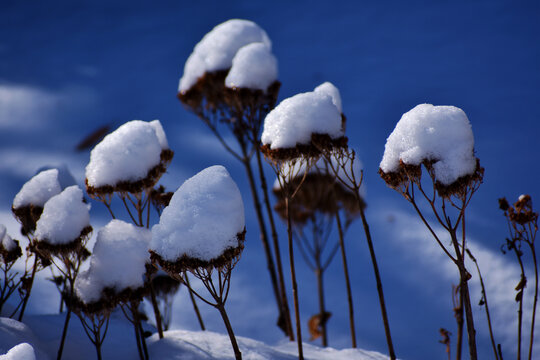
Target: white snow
216 50
253 67
5 240
23 351
65 178
38 189
64 217
127 154
427 132
332 90
118 261
295 119
203 218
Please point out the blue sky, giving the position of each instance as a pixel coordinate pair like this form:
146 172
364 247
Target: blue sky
67 68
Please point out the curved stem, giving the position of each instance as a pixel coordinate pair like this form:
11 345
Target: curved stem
27 295
194 302
221 308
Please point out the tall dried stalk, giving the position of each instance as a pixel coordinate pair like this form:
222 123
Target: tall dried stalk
454 197
523 226
342 163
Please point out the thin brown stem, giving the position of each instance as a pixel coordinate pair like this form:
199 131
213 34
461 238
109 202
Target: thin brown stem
27 295
221 308
347 280
194 302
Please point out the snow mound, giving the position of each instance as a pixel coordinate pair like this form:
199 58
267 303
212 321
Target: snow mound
330 89
295 119
118 261
439 133
38 189
127 154
217 49
253 67
6 241
191 345
203 218
64 217
22 351
65 178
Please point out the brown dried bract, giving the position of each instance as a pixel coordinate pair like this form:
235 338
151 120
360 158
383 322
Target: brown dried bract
207 92
316 323
28 215
185 262
522 212
404 175
461 186
318 144
108 301
137 186
10 256
45 248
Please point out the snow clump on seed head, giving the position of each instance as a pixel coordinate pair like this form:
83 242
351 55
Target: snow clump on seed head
438 134
203 220
217 49
253 67
127 155
118 261
64 217
296 119
38 189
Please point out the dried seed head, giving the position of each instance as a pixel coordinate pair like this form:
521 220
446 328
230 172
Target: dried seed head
503 204
47 249
27 215
522 212
11 255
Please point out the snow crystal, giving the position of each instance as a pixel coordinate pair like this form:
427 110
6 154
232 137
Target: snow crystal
439 133
295 119
127 154
330 89
64 217
216 50
23 351
6 241
38 189
253 67
203 218
118 261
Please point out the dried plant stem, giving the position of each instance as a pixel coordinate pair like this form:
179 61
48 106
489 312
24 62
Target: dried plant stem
223 313
264 234
486 304
156 309
27 295
194 302
293 280
458 314
285 311
322 311
347 280
535 301
94 332
382 303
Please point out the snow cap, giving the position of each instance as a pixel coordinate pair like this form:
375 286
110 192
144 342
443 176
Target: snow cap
253 67
65 178
118 261
296 118
6 242
203 218
435 133
127 154
330 89
38 189
217 49
64 217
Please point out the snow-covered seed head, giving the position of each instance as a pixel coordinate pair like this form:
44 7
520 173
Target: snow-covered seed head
522 212
441 139
304 125
10 250
130 159
203 226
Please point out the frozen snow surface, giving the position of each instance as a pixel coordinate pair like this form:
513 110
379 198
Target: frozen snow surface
295 119
330 89
253 67
118 261
5 240
65 178
38 189
127 154
203 218
64 217
23 351
217 49
439 133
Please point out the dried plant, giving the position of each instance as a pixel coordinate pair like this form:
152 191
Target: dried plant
240 112
448 204
10 282
522 226
215 274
